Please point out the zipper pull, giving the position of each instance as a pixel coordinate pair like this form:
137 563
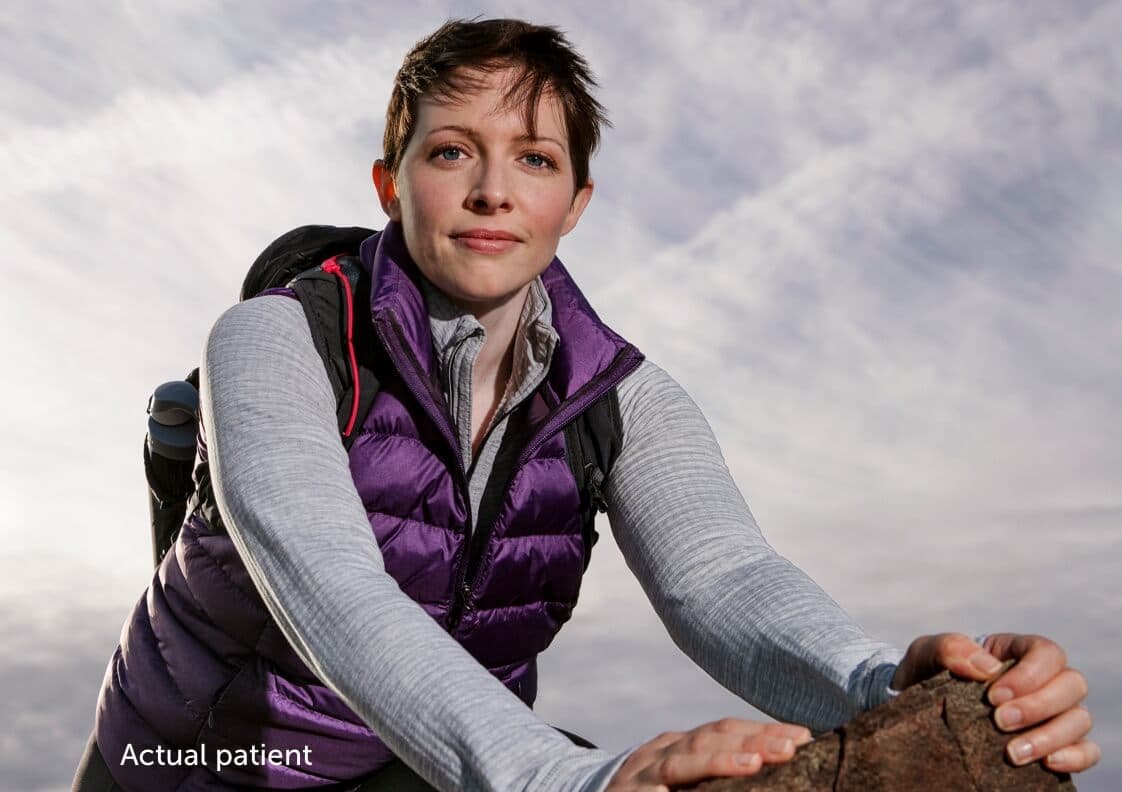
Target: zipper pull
460 607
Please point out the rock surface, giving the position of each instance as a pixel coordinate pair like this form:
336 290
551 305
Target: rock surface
939 734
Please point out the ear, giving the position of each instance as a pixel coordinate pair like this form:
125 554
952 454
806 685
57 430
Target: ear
576 208
387 190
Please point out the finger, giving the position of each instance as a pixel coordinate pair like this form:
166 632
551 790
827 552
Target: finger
1060 694
1075 758
1038 661
963 656
773 748
800 734
689 768
665 739
1055 735
739 726
771 744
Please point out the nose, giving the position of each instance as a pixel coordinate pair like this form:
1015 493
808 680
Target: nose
491 191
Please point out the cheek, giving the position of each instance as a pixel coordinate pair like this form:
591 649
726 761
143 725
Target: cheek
421 196
553 211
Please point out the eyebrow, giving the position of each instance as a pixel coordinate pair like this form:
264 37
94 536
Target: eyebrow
472 133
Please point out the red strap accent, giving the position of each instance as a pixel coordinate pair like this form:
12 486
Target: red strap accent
332 266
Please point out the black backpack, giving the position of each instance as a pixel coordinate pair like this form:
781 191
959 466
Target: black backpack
320 263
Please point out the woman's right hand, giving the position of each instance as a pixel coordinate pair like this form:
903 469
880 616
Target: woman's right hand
728 747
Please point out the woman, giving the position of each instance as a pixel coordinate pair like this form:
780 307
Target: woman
281 644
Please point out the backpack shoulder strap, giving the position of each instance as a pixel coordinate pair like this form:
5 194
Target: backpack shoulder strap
329 294
592 444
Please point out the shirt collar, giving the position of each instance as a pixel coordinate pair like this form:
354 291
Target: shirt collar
534 341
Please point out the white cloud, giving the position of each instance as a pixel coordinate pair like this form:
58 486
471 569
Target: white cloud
878 245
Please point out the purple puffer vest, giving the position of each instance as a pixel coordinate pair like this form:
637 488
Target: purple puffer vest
200 659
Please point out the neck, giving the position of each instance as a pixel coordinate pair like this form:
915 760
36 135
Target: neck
500 322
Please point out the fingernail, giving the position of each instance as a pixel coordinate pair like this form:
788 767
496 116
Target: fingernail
1020 751
747 758
780 744
1009 717
985 662
999 695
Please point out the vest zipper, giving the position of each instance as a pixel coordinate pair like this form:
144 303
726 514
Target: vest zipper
623 364
477 542
461 600
462 592
461 605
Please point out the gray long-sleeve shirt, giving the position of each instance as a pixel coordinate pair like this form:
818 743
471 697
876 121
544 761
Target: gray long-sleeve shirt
750 618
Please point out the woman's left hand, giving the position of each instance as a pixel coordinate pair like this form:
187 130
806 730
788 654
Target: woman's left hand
1040 690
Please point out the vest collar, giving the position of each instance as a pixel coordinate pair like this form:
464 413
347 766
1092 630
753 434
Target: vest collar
588 359
585 346
396 295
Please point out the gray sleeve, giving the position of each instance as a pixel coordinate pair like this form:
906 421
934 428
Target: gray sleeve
285 492
749 617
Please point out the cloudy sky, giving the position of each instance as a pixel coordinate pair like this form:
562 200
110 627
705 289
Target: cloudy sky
878 243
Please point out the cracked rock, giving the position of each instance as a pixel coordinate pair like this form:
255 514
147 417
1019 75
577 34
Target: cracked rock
939 734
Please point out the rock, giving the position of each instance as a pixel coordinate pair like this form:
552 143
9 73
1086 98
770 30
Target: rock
939 734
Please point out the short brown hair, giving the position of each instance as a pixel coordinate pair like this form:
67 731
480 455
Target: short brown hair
436 65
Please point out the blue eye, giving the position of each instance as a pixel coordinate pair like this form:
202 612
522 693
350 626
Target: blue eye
449 150
543 162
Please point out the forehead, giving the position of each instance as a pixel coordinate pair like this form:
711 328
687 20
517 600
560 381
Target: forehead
494 101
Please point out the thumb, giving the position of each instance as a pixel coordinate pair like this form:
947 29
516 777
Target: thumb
955 652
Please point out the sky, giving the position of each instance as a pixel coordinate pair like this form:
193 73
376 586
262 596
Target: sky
877 243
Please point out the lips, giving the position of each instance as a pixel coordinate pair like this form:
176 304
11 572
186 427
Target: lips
486 233
486 240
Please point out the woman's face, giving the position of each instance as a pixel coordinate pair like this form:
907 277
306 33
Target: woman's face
469 172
